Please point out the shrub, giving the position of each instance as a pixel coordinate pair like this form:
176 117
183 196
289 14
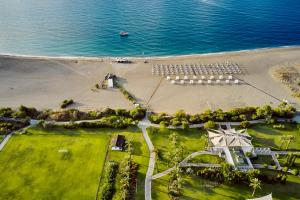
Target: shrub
279 126
295 172
66 103
285 169
210 125
275 167
185 125
245 124
248 154
107 190
6 112
265 165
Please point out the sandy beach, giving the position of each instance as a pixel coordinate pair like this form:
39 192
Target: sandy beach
44 82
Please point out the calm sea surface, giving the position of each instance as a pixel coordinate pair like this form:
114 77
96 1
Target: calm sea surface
156 27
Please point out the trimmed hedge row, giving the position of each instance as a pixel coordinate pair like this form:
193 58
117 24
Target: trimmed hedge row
236 115
107 189
71 114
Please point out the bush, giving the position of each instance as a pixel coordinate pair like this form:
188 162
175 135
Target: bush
248 154
210 125
107 190
66 103
279 126
265 165
6 112
285 169
295 172
245 124
185 125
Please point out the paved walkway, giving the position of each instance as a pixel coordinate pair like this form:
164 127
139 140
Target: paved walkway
184 163
7 137
143 125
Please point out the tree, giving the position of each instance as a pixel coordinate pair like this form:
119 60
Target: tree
255 183
290 138
210 125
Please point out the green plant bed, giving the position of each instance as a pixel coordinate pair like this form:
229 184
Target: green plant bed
191 140
140 156
266 136
282 159
263 159
206 158
195 187
52 166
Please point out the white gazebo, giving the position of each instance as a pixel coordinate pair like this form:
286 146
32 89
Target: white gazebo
230 138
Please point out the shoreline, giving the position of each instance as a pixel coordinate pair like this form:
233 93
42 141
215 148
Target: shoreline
97 58
44 82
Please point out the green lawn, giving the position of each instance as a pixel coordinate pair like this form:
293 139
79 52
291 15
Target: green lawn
53 164
206 158
266 136
192 140
199 188
140 156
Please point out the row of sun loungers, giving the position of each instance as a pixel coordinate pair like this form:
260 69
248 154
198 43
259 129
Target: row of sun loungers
208 82
220 77
196 69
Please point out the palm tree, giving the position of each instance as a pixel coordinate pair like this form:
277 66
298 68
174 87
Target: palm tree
255 183
290 138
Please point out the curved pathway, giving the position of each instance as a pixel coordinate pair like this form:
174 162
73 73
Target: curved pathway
144 124
184 163
7 137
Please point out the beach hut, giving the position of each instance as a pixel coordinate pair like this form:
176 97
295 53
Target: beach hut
110 83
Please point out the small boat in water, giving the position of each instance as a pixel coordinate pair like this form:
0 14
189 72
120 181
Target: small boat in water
124 34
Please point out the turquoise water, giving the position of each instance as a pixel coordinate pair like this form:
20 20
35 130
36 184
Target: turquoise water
156 27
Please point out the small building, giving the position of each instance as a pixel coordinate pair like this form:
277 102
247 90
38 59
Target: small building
118 143
110 83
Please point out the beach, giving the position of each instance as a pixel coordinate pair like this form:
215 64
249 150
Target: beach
44 82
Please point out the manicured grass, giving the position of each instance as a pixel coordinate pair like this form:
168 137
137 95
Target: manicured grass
199 188
191 140
207 159
52 166
266 136
263 159
140 156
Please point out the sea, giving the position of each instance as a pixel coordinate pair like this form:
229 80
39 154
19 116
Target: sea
155 27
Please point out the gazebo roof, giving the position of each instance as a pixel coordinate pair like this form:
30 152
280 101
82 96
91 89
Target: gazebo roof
267 197
229 138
